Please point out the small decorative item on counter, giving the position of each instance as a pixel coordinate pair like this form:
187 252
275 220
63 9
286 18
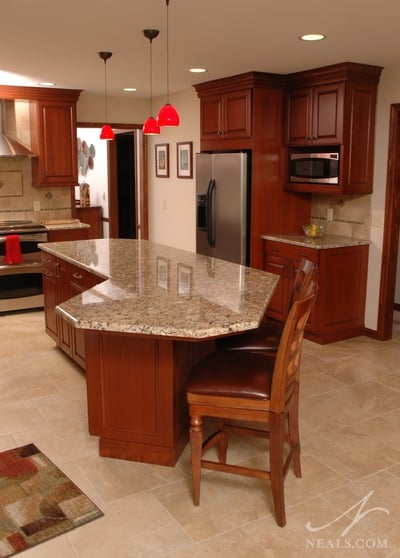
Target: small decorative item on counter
314 231
85 194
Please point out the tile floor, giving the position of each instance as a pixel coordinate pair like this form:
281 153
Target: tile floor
347 502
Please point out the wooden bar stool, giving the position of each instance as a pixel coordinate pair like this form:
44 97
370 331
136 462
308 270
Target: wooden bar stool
250 387
267 336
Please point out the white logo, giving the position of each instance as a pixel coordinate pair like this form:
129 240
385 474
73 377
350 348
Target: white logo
361 513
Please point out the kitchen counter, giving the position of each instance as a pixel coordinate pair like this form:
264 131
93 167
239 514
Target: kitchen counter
157 290
327 241
63 224
156 313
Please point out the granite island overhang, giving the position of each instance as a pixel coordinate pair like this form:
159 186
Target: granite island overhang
154 315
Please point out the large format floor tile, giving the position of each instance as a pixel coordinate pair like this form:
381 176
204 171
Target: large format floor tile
345 504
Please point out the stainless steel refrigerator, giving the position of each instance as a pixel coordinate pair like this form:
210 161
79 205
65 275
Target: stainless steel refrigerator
222 206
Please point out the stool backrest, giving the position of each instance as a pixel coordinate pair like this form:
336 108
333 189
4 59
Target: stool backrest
304 275
287 363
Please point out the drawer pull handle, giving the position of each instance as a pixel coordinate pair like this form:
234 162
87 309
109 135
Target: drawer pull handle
77 276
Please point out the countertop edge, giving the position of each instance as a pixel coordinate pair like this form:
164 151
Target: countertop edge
324 243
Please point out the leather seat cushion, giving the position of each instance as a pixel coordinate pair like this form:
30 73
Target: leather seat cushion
233 374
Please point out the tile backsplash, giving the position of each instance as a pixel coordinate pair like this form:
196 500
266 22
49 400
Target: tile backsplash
18 199
351 214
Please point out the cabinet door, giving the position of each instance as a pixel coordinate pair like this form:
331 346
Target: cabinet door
50 295
299 115
315 115
327 114
64 293
56 164
277 307
237 114
226 116
210 117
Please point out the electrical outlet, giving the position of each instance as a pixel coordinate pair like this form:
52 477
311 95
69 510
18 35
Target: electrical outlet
329 214
164 204
36 206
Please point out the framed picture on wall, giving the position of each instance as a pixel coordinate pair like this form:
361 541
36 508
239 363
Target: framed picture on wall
162 160
184 158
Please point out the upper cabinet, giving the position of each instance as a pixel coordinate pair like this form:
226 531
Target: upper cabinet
226 116
335 106
232 110
52 133
54 141
315 115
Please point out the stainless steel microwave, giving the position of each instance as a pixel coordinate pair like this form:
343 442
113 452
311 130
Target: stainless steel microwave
314 167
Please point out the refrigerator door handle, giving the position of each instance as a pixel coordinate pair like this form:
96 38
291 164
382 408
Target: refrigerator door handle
210 213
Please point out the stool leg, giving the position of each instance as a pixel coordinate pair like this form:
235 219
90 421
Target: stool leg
196 440
276 437
223 442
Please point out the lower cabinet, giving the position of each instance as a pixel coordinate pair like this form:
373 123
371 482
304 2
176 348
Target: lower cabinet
61 235
62 281
339 309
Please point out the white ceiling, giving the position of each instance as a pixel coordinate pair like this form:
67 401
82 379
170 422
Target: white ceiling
51 40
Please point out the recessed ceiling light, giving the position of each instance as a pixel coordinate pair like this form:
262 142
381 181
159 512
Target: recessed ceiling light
198 70
130 89
312 37
46 84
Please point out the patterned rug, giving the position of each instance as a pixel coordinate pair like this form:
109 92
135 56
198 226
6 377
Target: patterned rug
37 501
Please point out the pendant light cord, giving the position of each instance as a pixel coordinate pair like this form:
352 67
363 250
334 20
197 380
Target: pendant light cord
105 90
167 1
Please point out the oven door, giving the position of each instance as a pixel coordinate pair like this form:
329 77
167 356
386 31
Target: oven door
21 286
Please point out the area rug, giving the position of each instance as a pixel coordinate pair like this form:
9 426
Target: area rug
37 501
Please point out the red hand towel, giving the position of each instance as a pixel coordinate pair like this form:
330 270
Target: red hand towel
13 250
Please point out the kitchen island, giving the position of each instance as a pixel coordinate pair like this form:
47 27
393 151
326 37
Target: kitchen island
153 316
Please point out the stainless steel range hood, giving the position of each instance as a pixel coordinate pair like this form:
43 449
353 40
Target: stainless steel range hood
9 146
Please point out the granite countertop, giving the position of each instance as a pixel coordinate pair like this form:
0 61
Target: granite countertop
58 224
157 290
327 241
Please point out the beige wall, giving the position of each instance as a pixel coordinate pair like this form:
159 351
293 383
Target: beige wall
172 216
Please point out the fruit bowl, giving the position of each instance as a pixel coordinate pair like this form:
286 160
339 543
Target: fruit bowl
314 231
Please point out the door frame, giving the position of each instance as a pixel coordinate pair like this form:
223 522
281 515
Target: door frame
391 230
141 189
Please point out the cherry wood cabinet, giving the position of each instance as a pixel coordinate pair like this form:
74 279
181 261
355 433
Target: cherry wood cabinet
53 133
62 281
60 235
342 278
251 108
335 106
91 215
315 115
226 116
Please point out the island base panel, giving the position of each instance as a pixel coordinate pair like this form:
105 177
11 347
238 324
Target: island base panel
144 453
136 389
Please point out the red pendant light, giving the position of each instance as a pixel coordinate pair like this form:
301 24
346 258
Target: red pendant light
106 131
168 115
151 127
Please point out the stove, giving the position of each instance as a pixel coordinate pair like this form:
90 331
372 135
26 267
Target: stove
21 283
20 226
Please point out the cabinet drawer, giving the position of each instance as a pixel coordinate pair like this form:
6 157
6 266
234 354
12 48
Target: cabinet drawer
49 263
81 279
290 251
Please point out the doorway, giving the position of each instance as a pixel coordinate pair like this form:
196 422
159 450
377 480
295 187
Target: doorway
391 230
127 185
